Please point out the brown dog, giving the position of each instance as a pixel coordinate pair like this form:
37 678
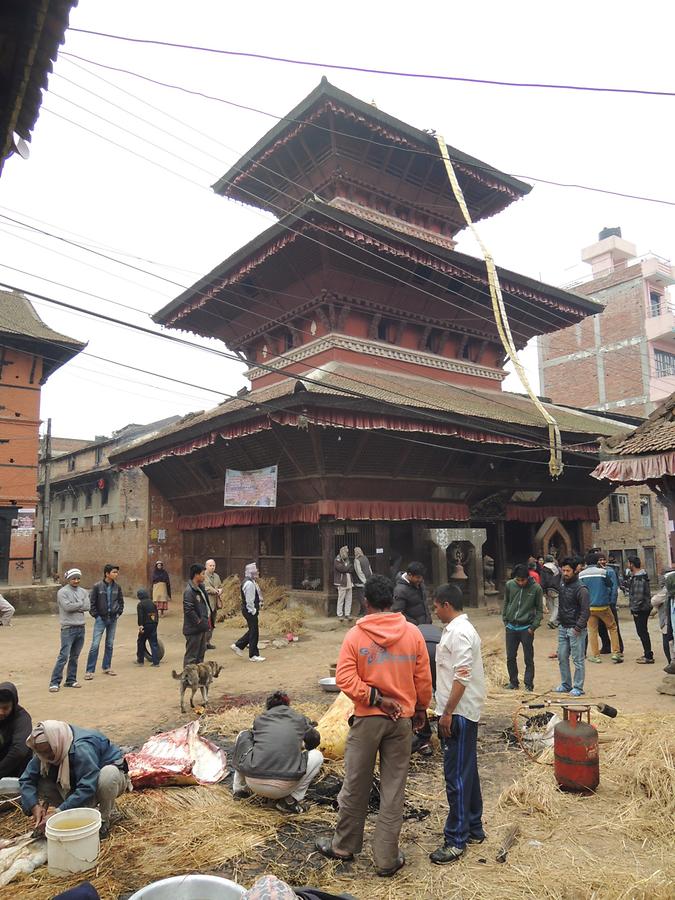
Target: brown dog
197 676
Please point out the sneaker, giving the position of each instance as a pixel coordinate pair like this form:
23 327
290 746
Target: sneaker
645 661
476 838
289 805
561 689
89 676
511 687
139 662
446 855
236 650
210 646
75 684
594 659
670 668
617 657
529 688
256 659
575 692
54 688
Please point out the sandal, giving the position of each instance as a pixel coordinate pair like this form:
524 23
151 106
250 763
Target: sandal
387 873
325 847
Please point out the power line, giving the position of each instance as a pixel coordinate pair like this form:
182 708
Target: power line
372 71
243 106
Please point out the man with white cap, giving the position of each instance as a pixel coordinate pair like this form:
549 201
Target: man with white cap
251 601
73 603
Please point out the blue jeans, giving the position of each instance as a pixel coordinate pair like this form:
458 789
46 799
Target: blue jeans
72 641
101 625
462 784
149 633
571 644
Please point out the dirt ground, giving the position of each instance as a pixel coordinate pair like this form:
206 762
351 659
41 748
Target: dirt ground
139 702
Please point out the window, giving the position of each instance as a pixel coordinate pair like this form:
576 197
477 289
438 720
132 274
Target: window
98 456
87 498
71 463
103 520
645 510
664 363
104 494
271 541
88 521
74 522
655 300
62 525
62 503
618 508
649 563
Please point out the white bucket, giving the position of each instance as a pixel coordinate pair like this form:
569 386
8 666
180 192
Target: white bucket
72 841
191 887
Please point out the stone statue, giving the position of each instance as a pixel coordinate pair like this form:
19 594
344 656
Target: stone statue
489 574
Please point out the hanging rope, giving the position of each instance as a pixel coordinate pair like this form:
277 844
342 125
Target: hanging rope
555 463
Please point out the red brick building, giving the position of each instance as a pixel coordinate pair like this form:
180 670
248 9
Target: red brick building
375 369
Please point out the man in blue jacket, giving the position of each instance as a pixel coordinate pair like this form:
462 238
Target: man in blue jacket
71 768
106 605
599 584
605 647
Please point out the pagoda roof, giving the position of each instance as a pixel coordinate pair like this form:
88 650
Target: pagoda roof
31 32
556 308
253 180
25 330
409 402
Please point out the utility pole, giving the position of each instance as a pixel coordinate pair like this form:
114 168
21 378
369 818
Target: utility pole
46 506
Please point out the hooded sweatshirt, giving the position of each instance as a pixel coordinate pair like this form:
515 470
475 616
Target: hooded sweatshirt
523 606
384 652
14 754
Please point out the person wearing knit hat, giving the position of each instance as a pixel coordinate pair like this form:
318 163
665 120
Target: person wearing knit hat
73 603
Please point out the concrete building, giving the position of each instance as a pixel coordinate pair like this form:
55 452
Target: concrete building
29 352
621 361
98 514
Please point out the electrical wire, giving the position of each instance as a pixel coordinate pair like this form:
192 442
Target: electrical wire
476 165
373 71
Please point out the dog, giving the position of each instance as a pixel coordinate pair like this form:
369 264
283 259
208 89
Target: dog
197 676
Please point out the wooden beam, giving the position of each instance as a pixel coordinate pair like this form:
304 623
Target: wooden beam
317 449
358 452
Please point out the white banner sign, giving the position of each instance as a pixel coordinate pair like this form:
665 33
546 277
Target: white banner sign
256 487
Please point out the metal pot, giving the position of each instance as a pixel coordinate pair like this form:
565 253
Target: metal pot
190 887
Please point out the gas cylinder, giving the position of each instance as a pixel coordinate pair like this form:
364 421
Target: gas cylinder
575 751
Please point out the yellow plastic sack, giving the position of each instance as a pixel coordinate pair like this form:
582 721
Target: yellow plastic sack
333 727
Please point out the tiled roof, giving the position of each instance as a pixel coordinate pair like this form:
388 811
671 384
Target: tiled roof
655 435
406 392
18 317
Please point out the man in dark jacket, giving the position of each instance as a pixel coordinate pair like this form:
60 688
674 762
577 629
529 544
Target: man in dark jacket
71 768
15 728
640 603
196 616
148 617
410 596
277 758
106 605
573 613
522 612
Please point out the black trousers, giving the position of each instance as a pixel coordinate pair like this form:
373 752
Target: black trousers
149 633
195 648
641 619
250 638
513 640
604 635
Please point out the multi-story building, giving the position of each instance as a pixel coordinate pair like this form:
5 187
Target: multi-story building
620 361
30 352
97 513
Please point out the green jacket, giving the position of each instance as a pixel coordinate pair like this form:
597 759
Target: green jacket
523 606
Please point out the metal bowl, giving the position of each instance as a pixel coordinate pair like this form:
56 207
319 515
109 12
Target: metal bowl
190 887
328 684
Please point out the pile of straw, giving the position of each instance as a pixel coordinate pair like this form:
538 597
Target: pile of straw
496 676
276 616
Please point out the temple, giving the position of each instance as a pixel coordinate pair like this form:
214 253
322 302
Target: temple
375 369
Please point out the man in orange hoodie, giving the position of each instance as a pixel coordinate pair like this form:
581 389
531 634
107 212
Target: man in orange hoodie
384 668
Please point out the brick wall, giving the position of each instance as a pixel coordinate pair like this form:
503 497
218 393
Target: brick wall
574 383
165 541
91 548
633 535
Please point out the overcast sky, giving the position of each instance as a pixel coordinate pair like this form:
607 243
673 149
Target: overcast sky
81 187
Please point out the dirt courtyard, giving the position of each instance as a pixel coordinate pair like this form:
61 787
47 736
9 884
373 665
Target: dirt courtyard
140 701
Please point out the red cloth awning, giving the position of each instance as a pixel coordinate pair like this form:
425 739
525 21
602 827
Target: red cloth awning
355 510
636 469
515 513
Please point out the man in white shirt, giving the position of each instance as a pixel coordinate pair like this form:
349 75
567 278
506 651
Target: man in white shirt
460 694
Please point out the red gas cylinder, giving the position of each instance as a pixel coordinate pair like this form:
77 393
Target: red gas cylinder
575 751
